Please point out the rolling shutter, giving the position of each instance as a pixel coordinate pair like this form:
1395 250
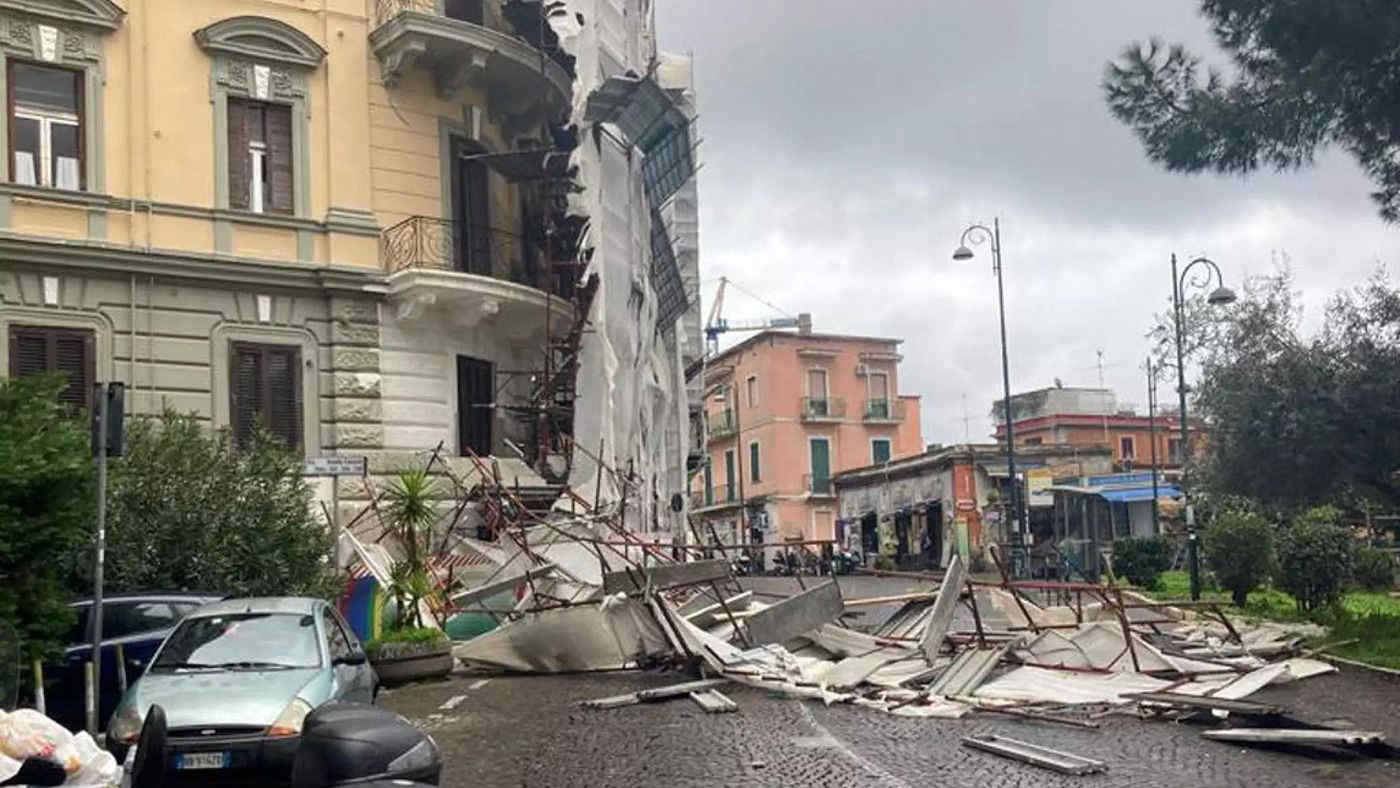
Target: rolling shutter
265 390
38 349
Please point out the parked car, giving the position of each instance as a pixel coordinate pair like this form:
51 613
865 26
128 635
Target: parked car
139 622
236 680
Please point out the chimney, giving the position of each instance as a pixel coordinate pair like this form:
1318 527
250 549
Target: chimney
804 323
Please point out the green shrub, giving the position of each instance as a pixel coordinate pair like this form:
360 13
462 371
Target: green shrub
1315 558
1373 569
1239 547
1141 561
884 563
408 636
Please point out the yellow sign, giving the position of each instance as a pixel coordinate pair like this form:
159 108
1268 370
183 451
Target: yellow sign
1038 483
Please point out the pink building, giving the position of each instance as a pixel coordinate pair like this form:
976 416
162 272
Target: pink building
784 413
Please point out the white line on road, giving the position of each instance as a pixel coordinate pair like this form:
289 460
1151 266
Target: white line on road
451 703
841 747
477 684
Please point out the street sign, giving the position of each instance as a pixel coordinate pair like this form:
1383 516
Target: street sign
334 466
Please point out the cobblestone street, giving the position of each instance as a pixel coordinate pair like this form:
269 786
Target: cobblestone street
524 730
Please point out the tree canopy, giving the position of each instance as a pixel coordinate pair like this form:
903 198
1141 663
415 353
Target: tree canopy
1307 75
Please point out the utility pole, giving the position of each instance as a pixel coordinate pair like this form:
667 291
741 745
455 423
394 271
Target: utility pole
1152 437
106 397
1105 415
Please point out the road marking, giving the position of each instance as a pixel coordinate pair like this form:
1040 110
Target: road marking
451 703
477 684
826 739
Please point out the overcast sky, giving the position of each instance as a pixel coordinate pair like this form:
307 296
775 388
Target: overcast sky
848 144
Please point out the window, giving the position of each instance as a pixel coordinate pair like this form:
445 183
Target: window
465 11
46 126
880 450
709 485
35 350
122 619
817 404
754 475
879 384
1033 441
265 391
260 156
1174 451
729 475
338 644
1125 447
752 385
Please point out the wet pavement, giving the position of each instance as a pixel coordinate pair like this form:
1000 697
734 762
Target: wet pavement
525 731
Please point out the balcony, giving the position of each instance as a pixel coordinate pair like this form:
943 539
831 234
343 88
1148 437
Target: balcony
818 486
823 409
887 411
451 40
718 495
722 423
472 272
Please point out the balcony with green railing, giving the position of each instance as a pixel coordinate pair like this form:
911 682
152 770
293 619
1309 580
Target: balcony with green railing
883 410
823 408
818 485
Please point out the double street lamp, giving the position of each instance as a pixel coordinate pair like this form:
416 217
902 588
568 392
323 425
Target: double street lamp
1220 296
977 234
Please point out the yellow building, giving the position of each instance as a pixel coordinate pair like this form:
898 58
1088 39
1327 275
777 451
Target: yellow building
357 222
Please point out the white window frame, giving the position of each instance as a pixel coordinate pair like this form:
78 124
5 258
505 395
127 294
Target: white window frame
751 387
755 472
43 169
888 442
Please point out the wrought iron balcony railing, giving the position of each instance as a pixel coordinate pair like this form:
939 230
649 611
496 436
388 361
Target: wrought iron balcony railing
445 245
818 485
823 408
884 410
721 423
472 11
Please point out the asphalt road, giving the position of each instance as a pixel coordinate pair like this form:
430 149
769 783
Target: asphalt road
525 731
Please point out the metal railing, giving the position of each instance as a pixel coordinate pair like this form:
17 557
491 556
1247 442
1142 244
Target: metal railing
717 494
469 11
446 245
384 10
818 485
818 408
883 410
721 423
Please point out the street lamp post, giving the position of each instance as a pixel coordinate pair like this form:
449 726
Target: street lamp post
1220 296
976 234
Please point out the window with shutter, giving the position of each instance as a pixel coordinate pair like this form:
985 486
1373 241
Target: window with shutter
38 349
278 118
265 391
239 157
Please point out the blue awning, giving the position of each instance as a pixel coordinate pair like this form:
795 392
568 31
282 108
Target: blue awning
1140 494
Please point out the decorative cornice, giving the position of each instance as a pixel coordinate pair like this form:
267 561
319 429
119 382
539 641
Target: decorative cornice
102 14
352 222
261 38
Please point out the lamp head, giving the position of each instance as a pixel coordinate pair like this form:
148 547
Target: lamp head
962 254
1221 296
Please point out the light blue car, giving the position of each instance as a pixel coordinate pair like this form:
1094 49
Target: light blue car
236 679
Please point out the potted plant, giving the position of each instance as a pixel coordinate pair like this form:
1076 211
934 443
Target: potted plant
411 650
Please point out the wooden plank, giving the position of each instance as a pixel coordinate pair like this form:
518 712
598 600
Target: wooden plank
666 576
1035 755
1197 701
796 615
943 608
714 702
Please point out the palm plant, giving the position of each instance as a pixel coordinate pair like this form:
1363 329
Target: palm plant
409 518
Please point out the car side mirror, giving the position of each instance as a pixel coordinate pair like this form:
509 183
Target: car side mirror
353 658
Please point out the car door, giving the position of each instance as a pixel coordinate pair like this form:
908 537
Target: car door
365 679
347 684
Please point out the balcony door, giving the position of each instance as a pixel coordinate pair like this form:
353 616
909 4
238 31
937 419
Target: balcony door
475 398
465 11
471 213
821 465
816 392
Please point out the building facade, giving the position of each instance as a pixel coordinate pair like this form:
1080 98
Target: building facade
919 511
1091 417
785 412
375 227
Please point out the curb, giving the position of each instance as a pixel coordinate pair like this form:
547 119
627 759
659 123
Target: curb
1389 672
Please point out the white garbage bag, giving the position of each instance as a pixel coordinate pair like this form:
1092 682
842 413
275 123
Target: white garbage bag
25 733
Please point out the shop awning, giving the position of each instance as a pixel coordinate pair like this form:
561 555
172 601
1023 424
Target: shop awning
1140 494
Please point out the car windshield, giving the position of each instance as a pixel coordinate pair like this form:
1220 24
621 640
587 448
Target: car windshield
247 641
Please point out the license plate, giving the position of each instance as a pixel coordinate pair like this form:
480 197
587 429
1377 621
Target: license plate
202 760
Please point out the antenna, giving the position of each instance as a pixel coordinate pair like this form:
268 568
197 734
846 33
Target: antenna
967 429
1105 410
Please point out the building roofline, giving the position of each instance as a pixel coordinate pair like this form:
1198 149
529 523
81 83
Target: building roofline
794 335
981 452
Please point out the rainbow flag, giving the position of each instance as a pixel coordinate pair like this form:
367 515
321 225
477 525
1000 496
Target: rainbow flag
362 603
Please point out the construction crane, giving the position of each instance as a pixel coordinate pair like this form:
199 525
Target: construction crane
716 324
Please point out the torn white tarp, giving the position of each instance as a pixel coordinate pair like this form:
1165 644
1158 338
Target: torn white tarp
1060 686
581 637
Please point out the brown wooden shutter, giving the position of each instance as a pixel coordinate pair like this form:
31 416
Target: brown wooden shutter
283 395
245 389
38 349
239 165
279 159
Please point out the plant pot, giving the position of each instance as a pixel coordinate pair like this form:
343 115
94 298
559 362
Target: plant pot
399 664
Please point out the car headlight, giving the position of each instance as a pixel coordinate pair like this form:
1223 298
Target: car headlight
125 725
423 755
288 723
